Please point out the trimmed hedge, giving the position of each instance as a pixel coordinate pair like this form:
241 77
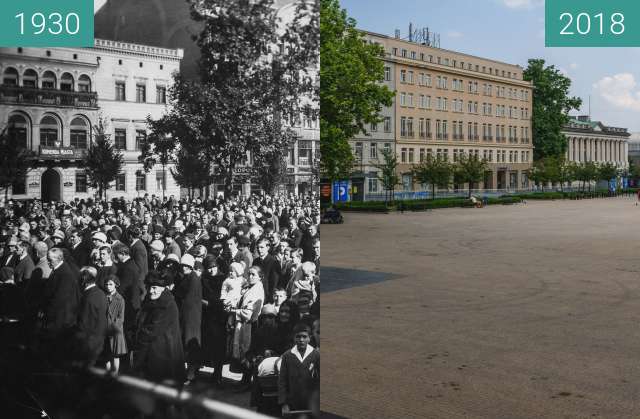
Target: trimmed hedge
421 204
599 193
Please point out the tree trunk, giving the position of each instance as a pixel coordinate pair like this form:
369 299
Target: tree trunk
433 191
164 180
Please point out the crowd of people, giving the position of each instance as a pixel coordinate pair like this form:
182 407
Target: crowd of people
161 288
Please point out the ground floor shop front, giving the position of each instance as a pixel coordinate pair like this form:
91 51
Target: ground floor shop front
66 181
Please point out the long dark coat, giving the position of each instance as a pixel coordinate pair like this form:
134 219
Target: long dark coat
189 298
271 270
214 320
92 323
158 344
61 300
129 276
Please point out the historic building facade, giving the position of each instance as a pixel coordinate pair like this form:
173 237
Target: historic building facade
592 141
449 103
51 99
168 23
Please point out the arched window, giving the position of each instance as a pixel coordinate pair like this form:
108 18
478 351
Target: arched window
18 129
84 83
66 82
79 133
10 77
48 80
30 78
50 132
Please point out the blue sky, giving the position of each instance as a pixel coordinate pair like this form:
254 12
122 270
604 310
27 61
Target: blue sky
513 31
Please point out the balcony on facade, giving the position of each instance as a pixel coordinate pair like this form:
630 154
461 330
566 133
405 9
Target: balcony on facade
21 95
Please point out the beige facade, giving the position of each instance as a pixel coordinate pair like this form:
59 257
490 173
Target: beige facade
592 141
448 103
52 99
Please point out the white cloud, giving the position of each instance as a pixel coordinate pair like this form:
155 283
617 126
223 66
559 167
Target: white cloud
620 90
522 4
573 66
455 34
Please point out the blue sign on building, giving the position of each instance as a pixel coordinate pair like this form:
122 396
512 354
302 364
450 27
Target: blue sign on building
341 191
612 185
625 183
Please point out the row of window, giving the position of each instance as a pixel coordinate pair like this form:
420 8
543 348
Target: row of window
407 155
19 129
442 104
48 81
141 93
442 133
404 53
442 82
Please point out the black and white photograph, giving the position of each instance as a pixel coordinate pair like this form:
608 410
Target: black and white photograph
159 215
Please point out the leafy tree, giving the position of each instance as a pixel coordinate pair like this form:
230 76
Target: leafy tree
351 93
538 173
435 172
388 173
607 171
634 169
191 171
103 162
159 147
253 75
15 161
551 106
565 172
470 169
586 172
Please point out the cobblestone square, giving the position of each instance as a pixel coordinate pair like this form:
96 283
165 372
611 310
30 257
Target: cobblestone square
519 311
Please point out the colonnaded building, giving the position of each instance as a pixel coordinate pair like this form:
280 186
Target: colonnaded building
447 103
592 141
52 98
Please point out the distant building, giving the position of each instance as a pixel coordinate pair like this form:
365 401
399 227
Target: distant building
592 141
51 99
634 147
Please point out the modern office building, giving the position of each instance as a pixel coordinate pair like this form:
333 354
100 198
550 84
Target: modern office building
634 148
593 141
52 98
449 103
367 148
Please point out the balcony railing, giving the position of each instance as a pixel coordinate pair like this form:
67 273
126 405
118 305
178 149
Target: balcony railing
47 97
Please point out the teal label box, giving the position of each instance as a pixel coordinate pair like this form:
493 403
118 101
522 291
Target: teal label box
46 23
592 23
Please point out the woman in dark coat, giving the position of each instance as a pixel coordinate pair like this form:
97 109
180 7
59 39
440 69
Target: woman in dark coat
214 317
188 295
158 353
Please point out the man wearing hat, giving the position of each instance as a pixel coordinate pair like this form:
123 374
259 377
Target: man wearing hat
10 259
139 253
188 295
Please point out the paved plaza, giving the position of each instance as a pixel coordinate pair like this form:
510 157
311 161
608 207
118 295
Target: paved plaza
519 311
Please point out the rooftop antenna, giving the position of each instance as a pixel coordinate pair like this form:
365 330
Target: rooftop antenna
410 32
589 107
